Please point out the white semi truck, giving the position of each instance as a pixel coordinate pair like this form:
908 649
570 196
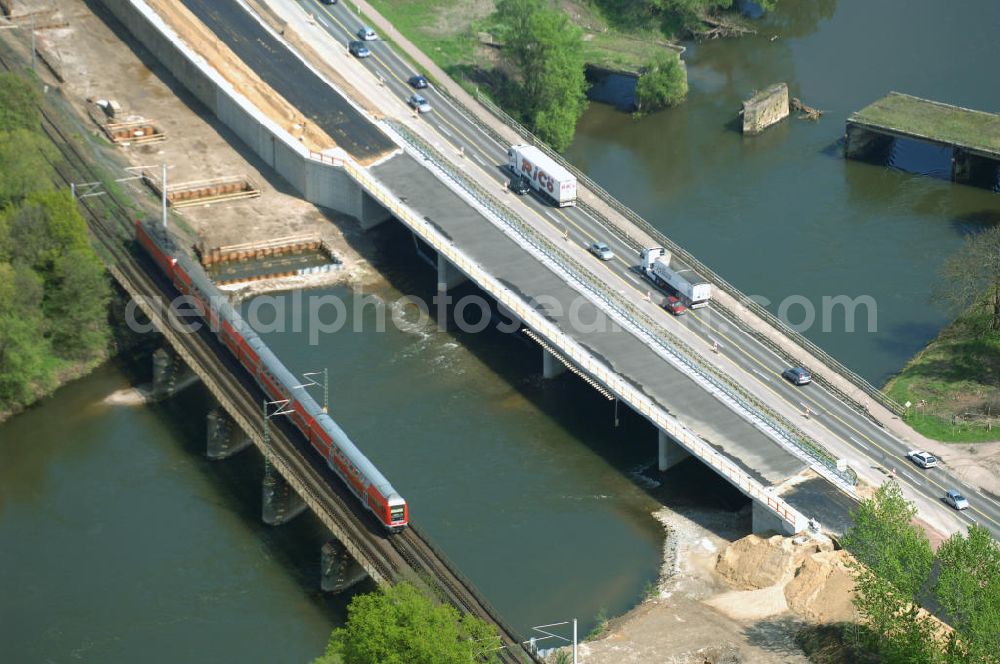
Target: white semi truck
546 176
656 266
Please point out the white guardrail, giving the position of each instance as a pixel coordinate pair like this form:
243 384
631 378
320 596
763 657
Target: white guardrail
615 383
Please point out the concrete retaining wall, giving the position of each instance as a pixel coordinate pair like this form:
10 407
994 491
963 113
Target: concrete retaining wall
321 182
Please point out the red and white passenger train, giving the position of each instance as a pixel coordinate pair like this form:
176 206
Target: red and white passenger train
325 436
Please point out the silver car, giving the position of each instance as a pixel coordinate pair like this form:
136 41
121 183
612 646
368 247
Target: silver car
956 500
602 251
922 459
419 104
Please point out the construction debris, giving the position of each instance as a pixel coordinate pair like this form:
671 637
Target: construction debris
122 128
248 251
806 112
202 192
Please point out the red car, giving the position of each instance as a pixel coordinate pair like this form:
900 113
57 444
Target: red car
674 306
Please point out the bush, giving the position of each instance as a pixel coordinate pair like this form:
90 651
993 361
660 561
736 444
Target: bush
400 625
663 84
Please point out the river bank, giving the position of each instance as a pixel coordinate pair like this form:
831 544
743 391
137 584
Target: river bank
953 384
725 597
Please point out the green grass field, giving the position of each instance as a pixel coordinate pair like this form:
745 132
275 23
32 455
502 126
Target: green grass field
447 31
954 385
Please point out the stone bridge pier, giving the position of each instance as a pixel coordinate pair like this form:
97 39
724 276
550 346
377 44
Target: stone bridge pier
969 168
170 374
338 569
280 503
866 145
223 437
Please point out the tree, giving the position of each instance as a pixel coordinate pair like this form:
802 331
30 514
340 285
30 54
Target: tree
19 101
76 302
968 590
971 276
44 227
884 539
24 164
894 625
663 84
48 234
892 563
23 350
399 625
546 50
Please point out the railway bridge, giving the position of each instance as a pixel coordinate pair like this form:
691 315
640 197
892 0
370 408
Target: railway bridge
295 478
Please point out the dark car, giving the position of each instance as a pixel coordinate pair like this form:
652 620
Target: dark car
520 185
358 49
797 376
329 2
674 305
418 81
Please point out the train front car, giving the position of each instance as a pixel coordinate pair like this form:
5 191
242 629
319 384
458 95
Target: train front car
363 478
328 439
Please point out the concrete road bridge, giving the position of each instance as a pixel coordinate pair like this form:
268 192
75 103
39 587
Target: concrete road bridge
709 382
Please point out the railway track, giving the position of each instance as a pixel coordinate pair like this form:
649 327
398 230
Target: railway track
408 555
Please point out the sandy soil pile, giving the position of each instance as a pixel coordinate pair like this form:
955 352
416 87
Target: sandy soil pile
822 589
753 562
776 575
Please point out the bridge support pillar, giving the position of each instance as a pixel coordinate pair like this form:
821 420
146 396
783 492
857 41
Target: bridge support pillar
338 570
166 367
369 212
972 169
448 275
766 521
224 438
280 502
552 366
671 452
864 144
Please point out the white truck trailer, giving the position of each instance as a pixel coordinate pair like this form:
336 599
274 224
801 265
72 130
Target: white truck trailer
547 177
656 266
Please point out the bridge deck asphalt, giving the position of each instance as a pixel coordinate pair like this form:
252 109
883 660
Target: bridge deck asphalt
746 446
290 78
749 448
